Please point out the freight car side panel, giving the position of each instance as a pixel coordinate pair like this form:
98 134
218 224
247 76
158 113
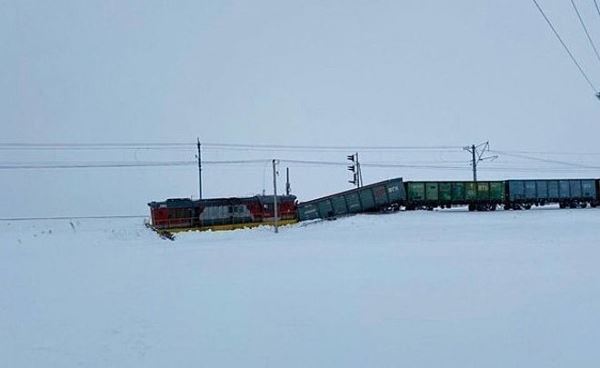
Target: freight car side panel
542 189
516 190
564 189
530 189
395 191
445 192
483 191
431 192
325 208
339 205
353 202
575 186
366 199
588 188
497 189
308 212
458 192
416 191
553 188
380 195
470 191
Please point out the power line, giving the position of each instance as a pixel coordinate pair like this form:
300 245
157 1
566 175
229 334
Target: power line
557 153
597 7
16 166
312 163
215 146
247 147
565 46
573 164
585 29
328 147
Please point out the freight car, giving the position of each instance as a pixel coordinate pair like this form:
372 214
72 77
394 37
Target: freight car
389 194
572 193
481 195
182 214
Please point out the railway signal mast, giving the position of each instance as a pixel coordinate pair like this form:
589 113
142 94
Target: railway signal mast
199 157
275 214
288 187
355 169
477 152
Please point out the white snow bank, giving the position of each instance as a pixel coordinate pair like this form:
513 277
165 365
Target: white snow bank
419 289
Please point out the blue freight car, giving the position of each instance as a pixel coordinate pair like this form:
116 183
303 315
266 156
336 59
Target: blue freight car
566 192
389 194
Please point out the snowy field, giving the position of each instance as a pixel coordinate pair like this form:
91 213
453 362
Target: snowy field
420 289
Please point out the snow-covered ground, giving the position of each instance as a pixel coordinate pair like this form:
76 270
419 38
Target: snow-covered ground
419 289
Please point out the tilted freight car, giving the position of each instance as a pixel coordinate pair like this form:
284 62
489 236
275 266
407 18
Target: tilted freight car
480 195
573 193
389 194
182 214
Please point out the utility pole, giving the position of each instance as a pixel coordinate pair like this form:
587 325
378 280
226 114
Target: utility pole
275 195
199 156
288 187
477 152
474 162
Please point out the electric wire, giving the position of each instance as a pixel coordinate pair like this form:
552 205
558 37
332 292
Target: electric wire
258 148
565 47
573 164
86 165
212 146
585 29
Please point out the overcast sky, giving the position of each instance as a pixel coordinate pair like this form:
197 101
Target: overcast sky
279 72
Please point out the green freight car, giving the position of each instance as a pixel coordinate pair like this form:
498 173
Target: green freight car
389 194
480 195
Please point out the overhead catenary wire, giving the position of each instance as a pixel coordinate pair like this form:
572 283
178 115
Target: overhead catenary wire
585 76
566 163
257 147
85 165
451 165
585 30
213 146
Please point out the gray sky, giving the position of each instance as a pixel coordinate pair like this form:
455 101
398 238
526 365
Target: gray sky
277 72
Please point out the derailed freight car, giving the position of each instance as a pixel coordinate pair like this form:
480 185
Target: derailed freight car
571 193
480 195
385 195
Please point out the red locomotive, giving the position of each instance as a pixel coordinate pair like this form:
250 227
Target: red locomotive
182 214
